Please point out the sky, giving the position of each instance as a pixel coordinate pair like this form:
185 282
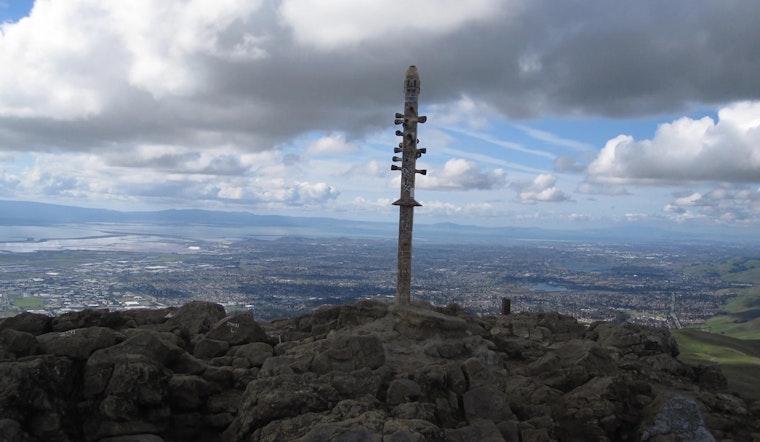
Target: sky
565 115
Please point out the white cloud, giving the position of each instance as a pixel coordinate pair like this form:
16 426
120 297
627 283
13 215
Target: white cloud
541 189
460 174
687 150
73 59
725 204
331 144
330 24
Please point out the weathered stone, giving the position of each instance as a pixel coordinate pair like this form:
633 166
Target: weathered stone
91 318
402 430
418 323
36 389
210 348
633 338
194 318
279 397
19 343
78 343
486 403
573 364
34 323
275 366
481 431
357 384
237 330
134 438
11 431
679 417
361 312
598 410
344 352
414 410
256 353
402 390
188 392
151 345
525 377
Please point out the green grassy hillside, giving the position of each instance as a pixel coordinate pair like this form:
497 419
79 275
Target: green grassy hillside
742 312
730 340
739 359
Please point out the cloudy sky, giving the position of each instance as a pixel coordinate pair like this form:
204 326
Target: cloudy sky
577 113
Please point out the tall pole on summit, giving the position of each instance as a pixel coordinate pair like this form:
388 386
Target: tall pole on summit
410 153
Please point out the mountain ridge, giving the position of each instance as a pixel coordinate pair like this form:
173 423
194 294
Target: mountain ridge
24 213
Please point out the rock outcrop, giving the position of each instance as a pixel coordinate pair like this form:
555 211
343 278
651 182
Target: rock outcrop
366 371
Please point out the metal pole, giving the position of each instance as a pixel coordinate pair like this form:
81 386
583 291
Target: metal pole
406 203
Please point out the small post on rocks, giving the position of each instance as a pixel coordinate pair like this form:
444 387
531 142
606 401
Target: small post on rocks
410 153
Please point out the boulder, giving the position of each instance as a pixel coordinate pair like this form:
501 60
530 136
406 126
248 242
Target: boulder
34 323
402 390
17 343
91 318
418 323
486 403
188 392
11 431
79 343
481 431
255 353
39 393
210 348
237 330
194 318
347 352
278 397
639 340
677 417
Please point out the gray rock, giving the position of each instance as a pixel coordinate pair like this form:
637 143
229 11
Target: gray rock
188 392
481 431
486 403
345 352
91 318
237 330
19 343
256 353
278 397
35 393
403 430
79 343
210 348
134 438
679 417
418 323
194 318
34 323
402 390
633 338
10 431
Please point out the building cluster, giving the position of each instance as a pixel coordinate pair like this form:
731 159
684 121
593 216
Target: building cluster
287 277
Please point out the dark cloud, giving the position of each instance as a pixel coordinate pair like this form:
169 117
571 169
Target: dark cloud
538 58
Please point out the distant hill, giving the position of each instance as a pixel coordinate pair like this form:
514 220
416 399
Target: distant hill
24 213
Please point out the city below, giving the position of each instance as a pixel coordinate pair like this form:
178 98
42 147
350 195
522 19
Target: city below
659 284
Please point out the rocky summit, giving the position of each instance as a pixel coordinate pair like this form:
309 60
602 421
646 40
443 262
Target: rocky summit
367 371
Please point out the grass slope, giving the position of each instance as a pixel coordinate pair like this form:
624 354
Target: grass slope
730 340
742 312
739 359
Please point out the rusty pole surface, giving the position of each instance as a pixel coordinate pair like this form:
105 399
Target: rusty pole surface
410 153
